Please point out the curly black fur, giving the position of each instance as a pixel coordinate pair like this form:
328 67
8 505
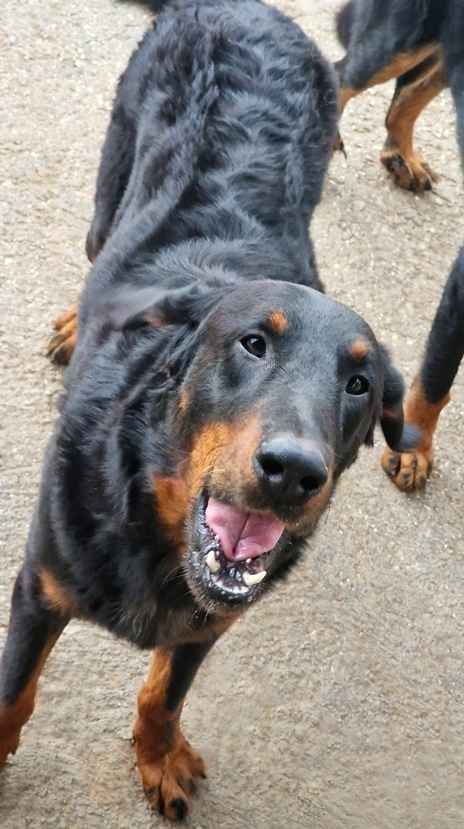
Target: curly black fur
220 135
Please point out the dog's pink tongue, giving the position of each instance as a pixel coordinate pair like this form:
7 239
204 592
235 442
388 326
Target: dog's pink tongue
242 534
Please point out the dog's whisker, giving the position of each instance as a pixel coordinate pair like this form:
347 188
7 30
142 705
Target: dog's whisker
169 575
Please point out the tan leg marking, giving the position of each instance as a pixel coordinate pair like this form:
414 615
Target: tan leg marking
58 597
13 717
402 62
169 766
405 166
410 470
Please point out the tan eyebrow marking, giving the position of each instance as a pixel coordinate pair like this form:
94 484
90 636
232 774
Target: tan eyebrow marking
278 322
359 349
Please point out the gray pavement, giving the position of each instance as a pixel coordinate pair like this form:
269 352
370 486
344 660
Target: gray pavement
338 703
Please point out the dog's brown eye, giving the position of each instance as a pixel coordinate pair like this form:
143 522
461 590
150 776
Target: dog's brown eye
357 385
254 345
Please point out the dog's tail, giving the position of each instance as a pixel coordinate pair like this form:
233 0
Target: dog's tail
344 23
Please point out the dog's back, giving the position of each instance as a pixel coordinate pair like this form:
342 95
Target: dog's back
228 115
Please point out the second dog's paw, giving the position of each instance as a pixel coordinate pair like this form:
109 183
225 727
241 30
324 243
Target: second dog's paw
408 470
409 172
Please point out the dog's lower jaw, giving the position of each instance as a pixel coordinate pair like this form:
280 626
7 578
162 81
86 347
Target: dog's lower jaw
211 601
222 586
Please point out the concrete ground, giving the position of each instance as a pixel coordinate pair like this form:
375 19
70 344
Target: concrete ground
337 703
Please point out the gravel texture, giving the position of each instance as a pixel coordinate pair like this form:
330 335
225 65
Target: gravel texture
338 703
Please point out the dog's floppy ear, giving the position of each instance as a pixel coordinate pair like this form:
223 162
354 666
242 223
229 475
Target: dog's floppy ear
158 307
400 435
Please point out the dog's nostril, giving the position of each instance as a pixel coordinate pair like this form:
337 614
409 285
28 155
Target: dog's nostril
272 467
310 484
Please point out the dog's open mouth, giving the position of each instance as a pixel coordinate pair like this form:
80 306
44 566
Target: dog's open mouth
232 549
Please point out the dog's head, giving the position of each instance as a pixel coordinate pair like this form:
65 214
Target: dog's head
280 389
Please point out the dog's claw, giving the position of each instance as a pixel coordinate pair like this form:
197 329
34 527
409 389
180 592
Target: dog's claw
339 145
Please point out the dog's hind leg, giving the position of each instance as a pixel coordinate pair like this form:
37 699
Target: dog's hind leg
33 630
430 391
400 63
356 78
414 90
167 763
113 176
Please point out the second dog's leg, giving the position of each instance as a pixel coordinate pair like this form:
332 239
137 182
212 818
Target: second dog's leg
354 79
414 90
430 391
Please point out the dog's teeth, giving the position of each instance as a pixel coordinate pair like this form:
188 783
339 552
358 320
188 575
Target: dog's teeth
213 565
253 578
248 561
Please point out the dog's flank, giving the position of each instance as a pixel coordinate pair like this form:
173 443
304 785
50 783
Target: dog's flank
214 397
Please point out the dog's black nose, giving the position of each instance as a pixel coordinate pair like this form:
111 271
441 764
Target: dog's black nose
289 471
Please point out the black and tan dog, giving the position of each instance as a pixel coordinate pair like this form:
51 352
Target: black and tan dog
214 397
421 44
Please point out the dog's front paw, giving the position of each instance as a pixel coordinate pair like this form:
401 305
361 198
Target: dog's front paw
408 470
409 171
168 779
61 346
